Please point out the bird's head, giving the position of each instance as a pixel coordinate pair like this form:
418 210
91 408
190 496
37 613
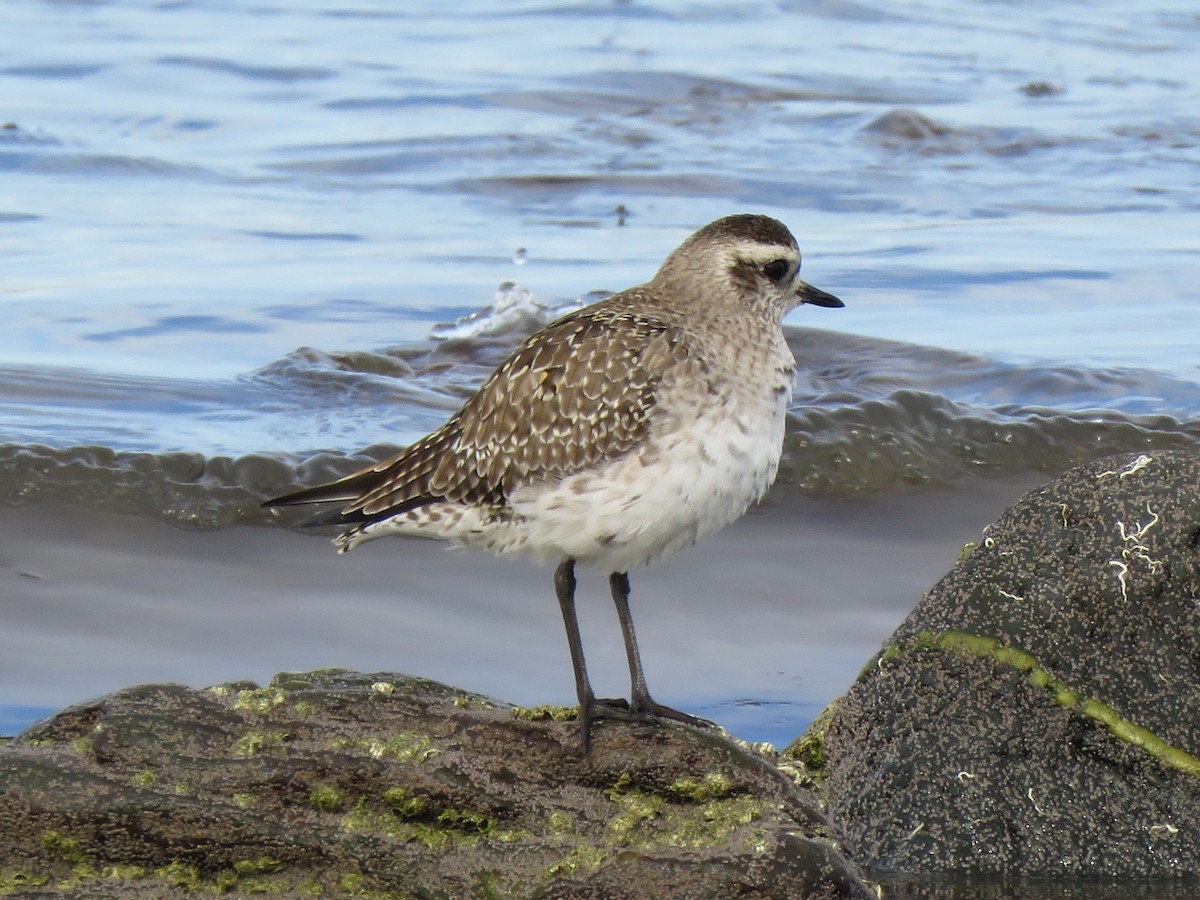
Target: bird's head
751 259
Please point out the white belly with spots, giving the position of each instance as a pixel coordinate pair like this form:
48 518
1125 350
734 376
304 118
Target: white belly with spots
692 479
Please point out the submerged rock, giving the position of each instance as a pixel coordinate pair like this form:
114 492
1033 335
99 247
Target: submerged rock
343 784
1037 713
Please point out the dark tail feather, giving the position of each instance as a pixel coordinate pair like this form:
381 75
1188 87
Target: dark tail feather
331 517
357 516
346 489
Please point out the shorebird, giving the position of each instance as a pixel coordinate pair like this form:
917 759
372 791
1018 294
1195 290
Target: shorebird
614 436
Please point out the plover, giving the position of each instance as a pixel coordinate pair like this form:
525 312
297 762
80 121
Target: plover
614 436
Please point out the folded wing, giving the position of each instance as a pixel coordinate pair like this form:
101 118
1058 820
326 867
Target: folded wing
574 395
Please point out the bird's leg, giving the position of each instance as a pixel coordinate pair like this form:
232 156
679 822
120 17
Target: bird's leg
639 695
640 699
564 588
590 708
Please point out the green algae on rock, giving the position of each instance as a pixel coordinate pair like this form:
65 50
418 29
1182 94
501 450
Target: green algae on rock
327 784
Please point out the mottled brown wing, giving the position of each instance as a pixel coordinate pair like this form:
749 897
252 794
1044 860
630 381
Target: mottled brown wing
578 392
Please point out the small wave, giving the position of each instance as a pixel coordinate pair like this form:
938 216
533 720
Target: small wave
917 439
108 164
253 73
908 439
908 129
54 71
868 416
306 236
513 310
188 490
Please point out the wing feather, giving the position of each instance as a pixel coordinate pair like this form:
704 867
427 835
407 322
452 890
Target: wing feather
577 393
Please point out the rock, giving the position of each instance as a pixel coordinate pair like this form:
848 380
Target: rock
1037 712
343 784
1042 89
907 124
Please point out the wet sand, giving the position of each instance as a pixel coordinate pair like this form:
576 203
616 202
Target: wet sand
757 628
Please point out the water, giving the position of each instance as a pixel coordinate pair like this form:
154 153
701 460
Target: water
191 193
230 232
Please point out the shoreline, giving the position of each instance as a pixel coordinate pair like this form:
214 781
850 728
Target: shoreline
756 628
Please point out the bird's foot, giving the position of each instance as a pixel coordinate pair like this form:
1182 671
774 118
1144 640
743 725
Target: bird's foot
594 708
648 706
642 709
618 705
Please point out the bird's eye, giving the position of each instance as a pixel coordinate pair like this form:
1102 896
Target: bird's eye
777 269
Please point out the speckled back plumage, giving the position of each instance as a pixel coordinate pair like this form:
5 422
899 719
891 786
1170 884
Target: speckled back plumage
573 395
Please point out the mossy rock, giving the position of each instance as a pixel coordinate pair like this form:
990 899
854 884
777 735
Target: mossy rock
339 783
1038 713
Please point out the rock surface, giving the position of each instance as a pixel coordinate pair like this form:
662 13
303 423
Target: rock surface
343 784
1036 714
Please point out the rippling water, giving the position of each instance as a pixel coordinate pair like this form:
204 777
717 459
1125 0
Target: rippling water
191 193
